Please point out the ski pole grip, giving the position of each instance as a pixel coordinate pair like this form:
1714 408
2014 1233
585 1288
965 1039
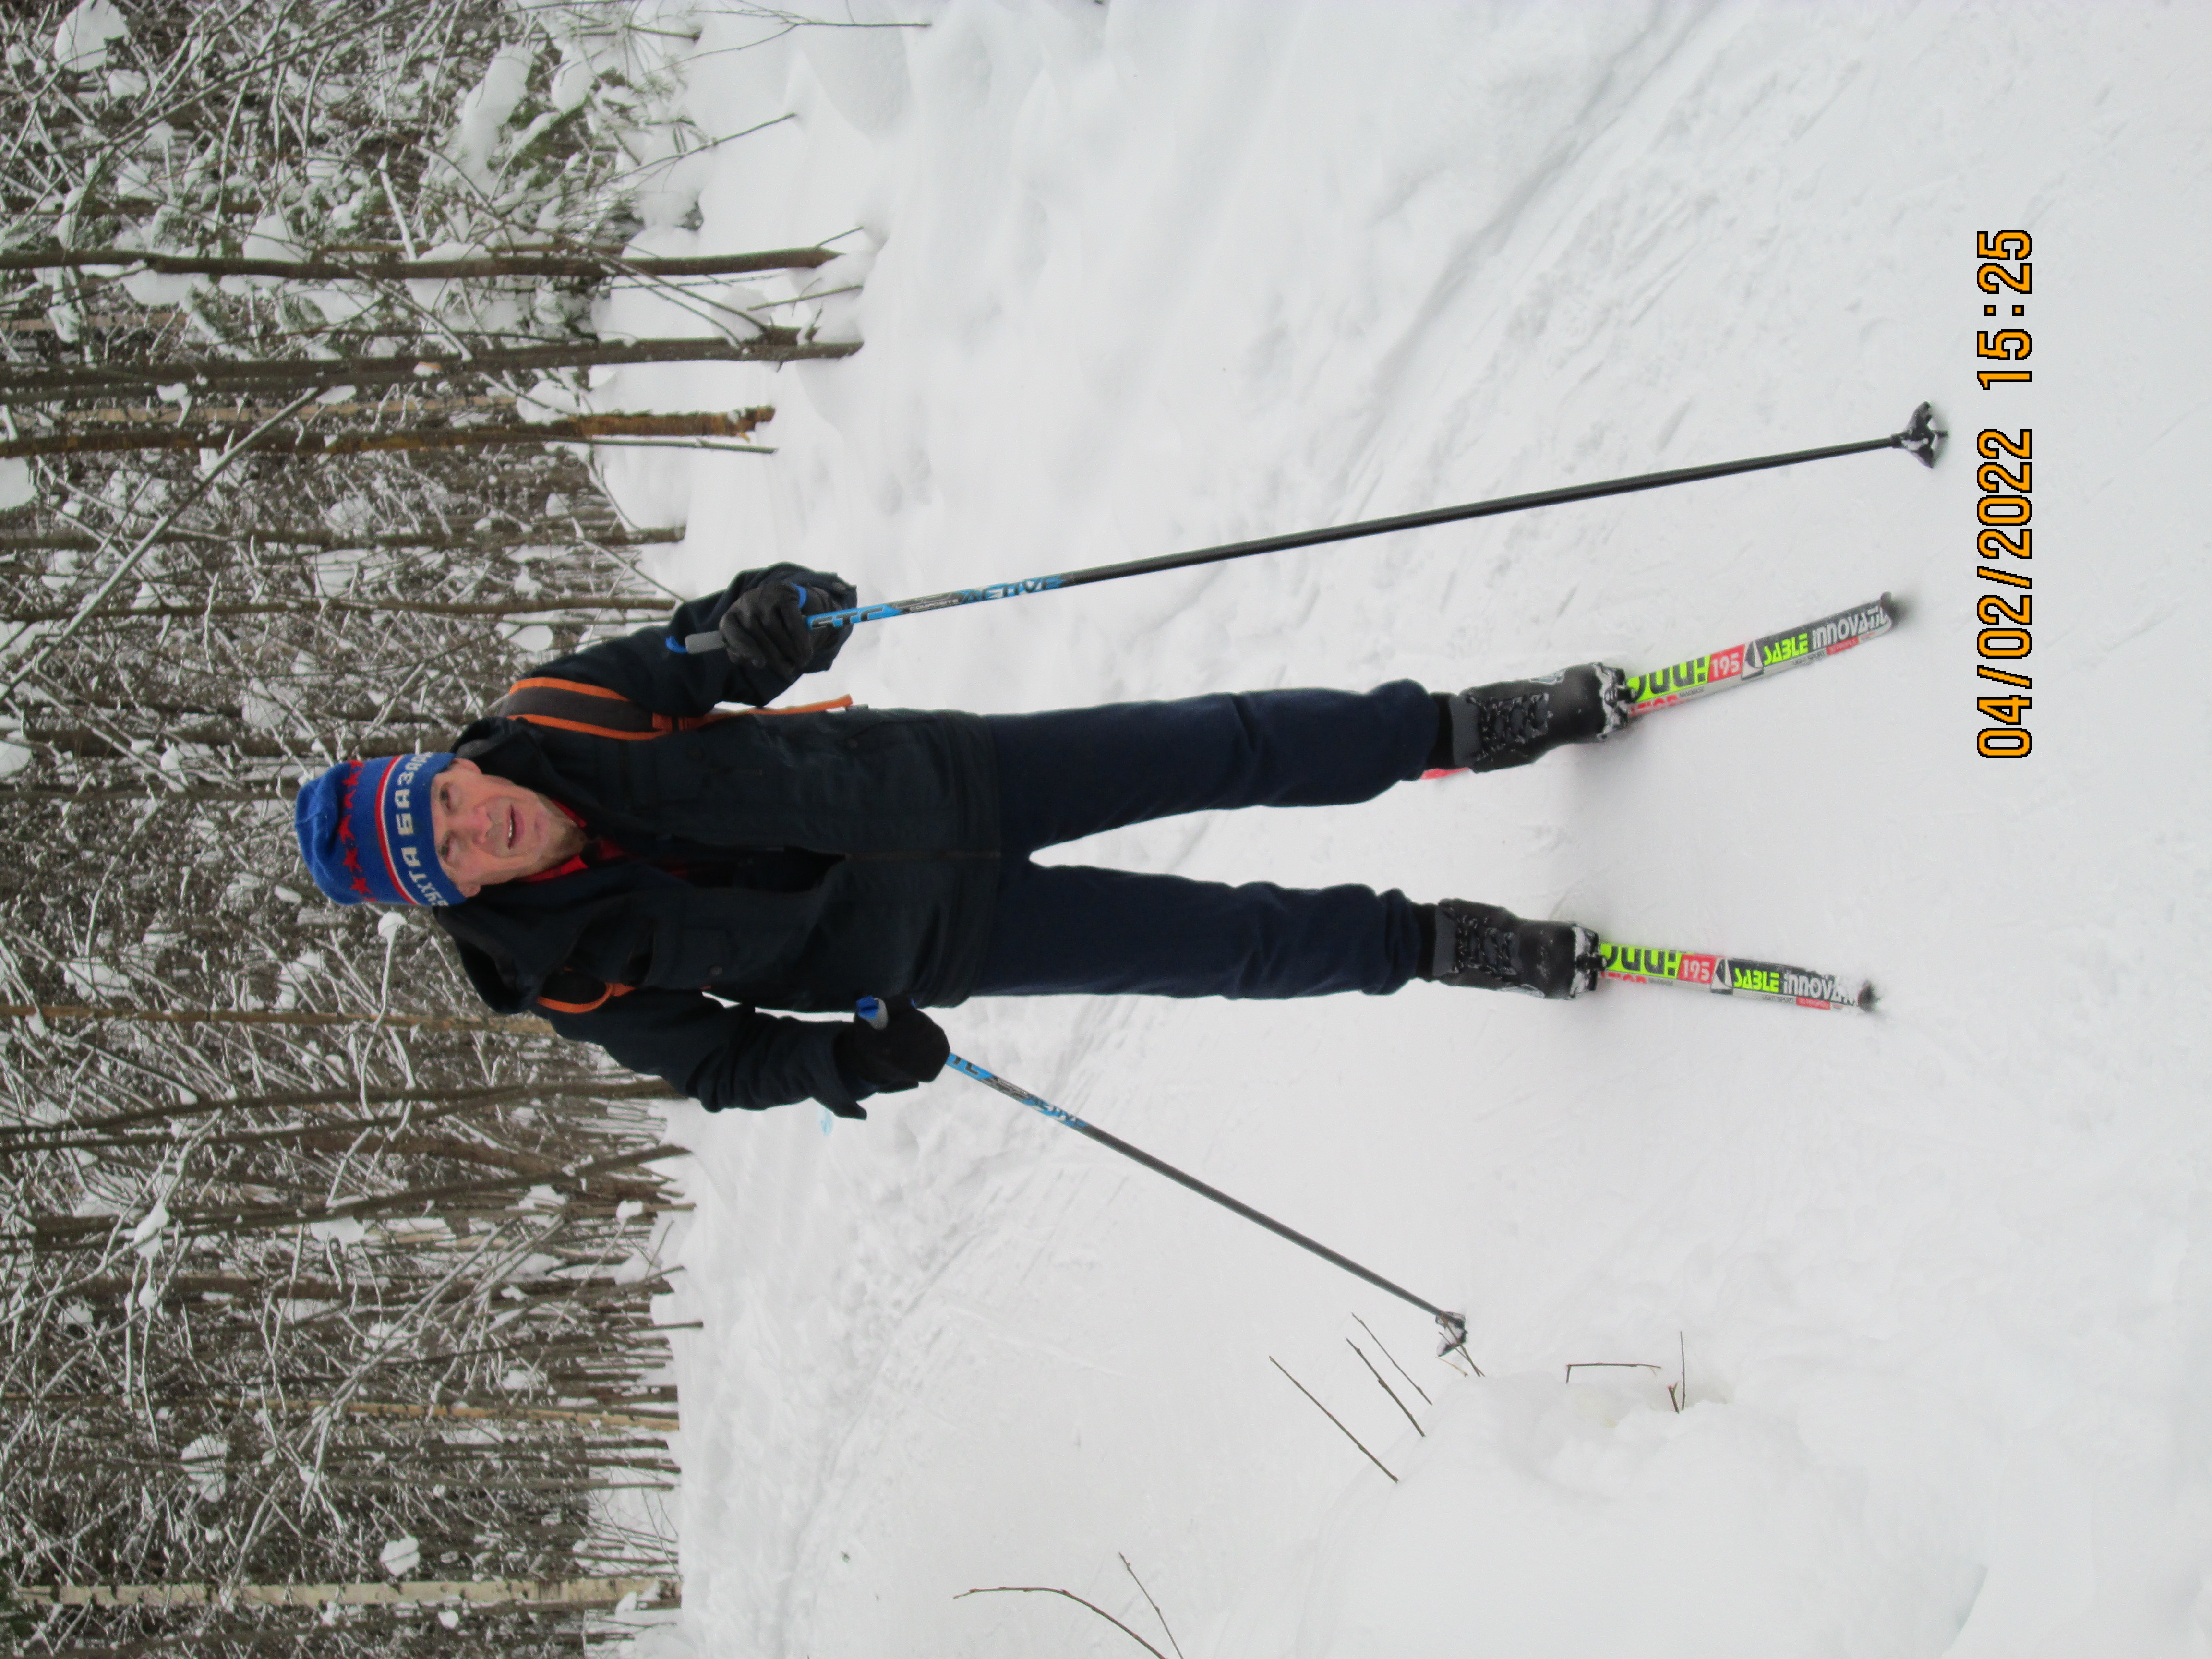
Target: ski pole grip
870 1011
698 645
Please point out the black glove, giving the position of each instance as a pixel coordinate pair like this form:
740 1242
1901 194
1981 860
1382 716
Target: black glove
765 627
910 1048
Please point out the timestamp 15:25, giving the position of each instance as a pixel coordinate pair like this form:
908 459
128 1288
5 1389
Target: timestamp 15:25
2011 345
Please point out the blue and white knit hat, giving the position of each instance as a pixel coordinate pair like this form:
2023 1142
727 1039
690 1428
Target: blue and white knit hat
364 829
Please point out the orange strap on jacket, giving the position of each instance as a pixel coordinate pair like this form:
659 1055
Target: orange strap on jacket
573 706
580 986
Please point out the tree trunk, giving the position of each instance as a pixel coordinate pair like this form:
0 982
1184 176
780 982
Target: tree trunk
513 1025
467 1592
459 1411
328 270
275 791
519 606
71 1232
288 536
584 429
289 1100
248 414
241 374
87 744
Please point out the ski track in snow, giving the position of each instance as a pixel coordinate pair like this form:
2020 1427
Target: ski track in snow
1158 274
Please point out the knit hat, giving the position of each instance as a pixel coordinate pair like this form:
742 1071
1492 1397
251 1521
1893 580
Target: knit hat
364 830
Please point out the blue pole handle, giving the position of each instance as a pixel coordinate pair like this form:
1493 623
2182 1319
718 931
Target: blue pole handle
870 1011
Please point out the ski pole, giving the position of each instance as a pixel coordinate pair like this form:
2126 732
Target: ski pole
1921 437
1453 1325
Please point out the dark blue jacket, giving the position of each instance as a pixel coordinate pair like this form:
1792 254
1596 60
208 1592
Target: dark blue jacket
898 808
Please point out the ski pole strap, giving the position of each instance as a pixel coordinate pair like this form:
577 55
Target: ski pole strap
1453 1325
1920 437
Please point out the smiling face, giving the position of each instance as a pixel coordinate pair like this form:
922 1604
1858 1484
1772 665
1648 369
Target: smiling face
489 830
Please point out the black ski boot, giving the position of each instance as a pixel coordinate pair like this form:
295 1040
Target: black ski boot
1492 948
1514 721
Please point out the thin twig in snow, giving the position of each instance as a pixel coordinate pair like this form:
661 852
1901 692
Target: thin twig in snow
1386 1387
1048 1590
1609 1365
1331 1417
1392 1358
1155 1606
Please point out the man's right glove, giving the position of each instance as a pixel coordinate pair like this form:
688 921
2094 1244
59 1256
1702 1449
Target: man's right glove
909 1048
765 627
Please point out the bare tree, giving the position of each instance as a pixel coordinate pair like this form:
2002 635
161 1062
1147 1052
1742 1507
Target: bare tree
329 1323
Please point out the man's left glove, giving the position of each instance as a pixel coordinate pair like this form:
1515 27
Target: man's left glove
909 1048
765 627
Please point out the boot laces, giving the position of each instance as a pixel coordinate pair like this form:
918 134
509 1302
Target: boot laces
1512 722
1478 942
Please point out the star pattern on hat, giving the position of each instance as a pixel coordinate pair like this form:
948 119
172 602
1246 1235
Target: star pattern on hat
351 849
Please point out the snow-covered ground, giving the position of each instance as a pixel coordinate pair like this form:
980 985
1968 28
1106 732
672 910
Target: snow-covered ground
1158 273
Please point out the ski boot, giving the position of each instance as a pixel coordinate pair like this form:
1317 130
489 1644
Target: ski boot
1514 721
1492 948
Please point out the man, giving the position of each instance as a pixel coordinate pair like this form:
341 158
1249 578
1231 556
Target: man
608 851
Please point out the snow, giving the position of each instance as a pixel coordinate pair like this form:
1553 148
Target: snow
1152 275
203 1465
483 111
343 1230
17 487
81 42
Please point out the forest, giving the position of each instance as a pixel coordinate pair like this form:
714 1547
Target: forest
328 1310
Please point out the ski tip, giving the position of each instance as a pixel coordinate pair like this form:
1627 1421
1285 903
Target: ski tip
1867 998
1892 607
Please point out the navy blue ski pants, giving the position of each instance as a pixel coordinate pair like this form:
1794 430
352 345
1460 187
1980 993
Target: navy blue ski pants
1074 772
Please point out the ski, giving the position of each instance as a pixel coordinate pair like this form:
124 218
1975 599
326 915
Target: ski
1759 658
1733 665
1700 677
1739 976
